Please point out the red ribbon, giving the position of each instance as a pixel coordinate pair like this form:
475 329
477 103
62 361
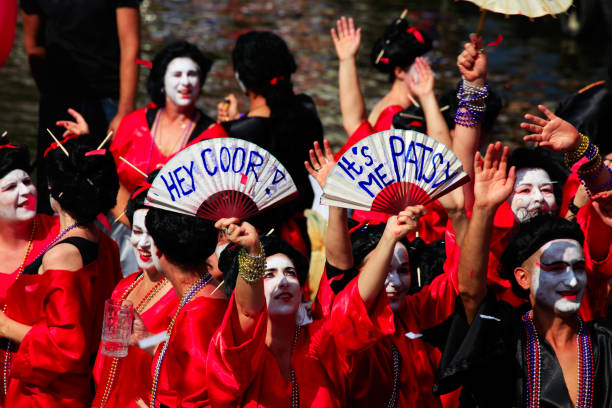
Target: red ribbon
275 80
417 34
141 187
384 60
8 146
144 63
54 145
99 152
496 42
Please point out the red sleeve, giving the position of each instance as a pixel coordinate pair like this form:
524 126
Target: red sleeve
354 328
133 141
385 119
434 302
57 343
232 366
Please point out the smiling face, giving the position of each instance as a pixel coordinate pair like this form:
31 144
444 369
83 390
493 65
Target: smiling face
559 278
142 242
182 82
17 196
533 194
398 279
281 286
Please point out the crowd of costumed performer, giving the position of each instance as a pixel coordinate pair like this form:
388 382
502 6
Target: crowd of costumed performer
278 120
401 366
153 298
178 370
264 351
54 312
539 354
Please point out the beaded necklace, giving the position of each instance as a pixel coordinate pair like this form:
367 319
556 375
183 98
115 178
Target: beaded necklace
186 298
397 358
155 130
295 391
533 357
114 369
7 355
25 257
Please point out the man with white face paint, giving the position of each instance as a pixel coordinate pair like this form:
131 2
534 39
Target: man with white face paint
543 356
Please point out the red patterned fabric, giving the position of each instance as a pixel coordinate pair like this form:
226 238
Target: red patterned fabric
132 380
65 309
182 380
134 143
247 375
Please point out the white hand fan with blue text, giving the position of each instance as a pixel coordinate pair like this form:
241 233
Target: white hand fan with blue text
220 178
390 170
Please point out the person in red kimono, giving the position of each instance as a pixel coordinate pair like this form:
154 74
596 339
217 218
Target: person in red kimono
262 356
54 311
150 136
178 369
154 299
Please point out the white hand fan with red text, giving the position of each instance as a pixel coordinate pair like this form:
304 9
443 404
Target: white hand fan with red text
220 178
390 170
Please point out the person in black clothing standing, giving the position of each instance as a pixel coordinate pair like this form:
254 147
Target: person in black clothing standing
82 55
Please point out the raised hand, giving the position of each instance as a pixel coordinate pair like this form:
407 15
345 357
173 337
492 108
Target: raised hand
346 39
491 184
473 62
228 109
241 233
78 127
320 164
404 223
425 76
552 132
602 203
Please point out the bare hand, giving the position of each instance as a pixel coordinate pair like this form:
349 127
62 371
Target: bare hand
228 109
139 330
491 184
346 39
553 132
241 233
78 127
425 77
602 203
473 63
398 226
320 164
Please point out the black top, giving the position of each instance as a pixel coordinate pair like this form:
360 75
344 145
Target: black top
488 359
201 125
88 250
82 45
288 138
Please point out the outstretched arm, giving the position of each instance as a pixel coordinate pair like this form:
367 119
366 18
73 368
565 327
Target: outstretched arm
346 41
491 187
374 272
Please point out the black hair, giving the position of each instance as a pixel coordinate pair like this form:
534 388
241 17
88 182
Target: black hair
187 241
84 184
531 236
272 244
428 259
177 49
411 118
364 240
524 158
400 45
13 157
494 104
137 197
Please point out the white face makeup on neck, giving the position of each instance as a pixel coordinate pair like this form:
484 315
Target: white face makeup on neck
559 278
397 282
182 81
281 286
533 194
142 241
17 197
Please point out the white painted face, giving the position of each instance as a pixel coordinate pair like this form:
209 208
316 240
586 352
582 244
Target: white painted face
182 81
559 277
398 279
281 286
17 196
142 241
533 194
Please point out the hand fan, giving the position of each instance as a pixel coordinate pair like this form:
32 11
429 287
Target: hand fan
220 178
390 170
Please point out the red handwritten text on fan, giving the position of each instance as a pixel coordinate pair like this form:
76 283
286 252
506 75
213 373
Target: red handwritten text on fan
391 170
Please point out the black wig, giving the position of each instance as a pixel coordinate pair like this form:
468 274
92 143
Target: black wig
272 244
13 157
85 183
531 236
137 197
177 49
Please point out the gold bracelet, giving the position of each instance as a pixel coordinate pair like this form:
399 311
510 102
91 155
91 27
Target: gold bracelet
250 267
573 156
